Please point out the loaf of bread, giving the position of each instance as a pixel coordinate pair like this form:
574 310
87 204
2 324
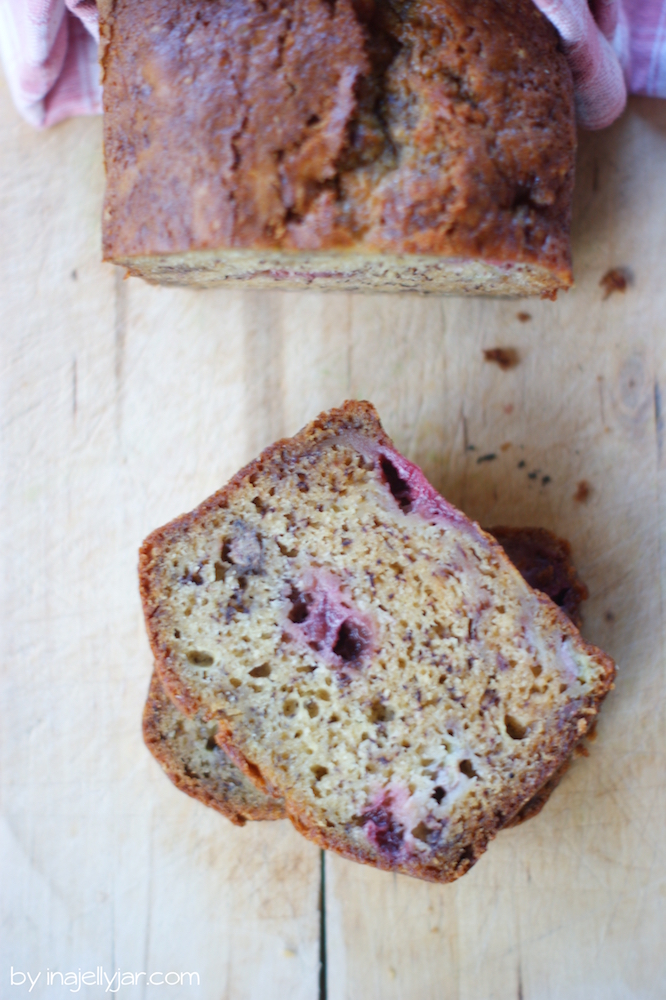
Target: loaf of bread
186 748
370 655
411 144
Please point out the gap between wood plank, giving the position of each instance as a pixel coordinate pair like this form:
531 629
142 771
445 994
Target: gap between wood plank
323 982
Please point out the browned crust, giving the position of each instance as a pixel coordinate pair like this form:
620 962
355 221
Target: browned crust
440 127
534 806
565 733
238 801
545 562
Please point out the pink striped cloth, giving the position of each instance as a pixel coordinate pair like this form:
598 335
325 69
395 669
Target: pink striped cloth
49 51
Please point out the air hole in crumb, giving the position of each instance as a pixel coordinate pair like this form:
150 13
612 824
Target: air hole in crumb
319 771
220 572
235 682
351 642
398 486
380 713
286 551
199 659
334 718
211 744
312 709
299 606
536 669
263 671
563 688
290 707
323 694
516 730
421 832
438 794
467 768
176 634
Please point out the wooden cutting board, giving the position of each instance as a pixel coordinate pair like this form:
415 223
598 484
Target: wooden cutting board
124 405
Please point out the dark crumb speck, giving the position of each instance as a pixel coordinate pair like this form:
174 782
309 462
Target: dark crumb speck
545 480
524 317
521 464
533 475
583 491
615 280
505 357
486 458
609 616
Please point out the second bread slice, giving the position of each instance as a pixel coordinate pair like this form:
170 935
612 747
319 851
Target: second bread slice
370 654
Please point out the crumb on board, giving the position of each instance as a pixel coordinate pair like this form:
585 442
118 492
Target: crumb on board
505 446
524 317
505 357
614 280
583 491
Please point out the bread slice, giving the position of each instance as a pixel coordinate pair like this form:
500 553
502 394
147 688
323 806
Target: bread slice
359 144
371 655
186 750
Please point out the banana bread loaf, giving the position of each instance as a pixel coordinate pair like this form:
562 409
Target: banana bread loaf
371 656
357 144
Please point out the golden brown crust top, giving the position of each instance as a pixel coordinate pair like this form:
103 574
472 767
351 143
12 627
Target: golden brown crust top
428 126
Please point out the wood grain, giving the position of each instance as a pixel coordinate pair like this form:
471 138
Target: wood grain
572 905
123 405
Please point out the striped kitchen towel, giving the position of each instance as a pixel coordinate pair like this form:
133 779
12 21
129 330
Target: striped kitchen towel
49 51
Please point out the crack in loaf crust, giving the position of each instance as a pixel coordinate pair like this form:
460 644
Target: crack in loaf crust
370 654
423 144
186 748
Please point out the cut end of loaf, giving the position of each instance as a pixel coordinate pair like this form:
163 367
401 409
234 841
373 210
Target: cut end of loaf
371 654
347 271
